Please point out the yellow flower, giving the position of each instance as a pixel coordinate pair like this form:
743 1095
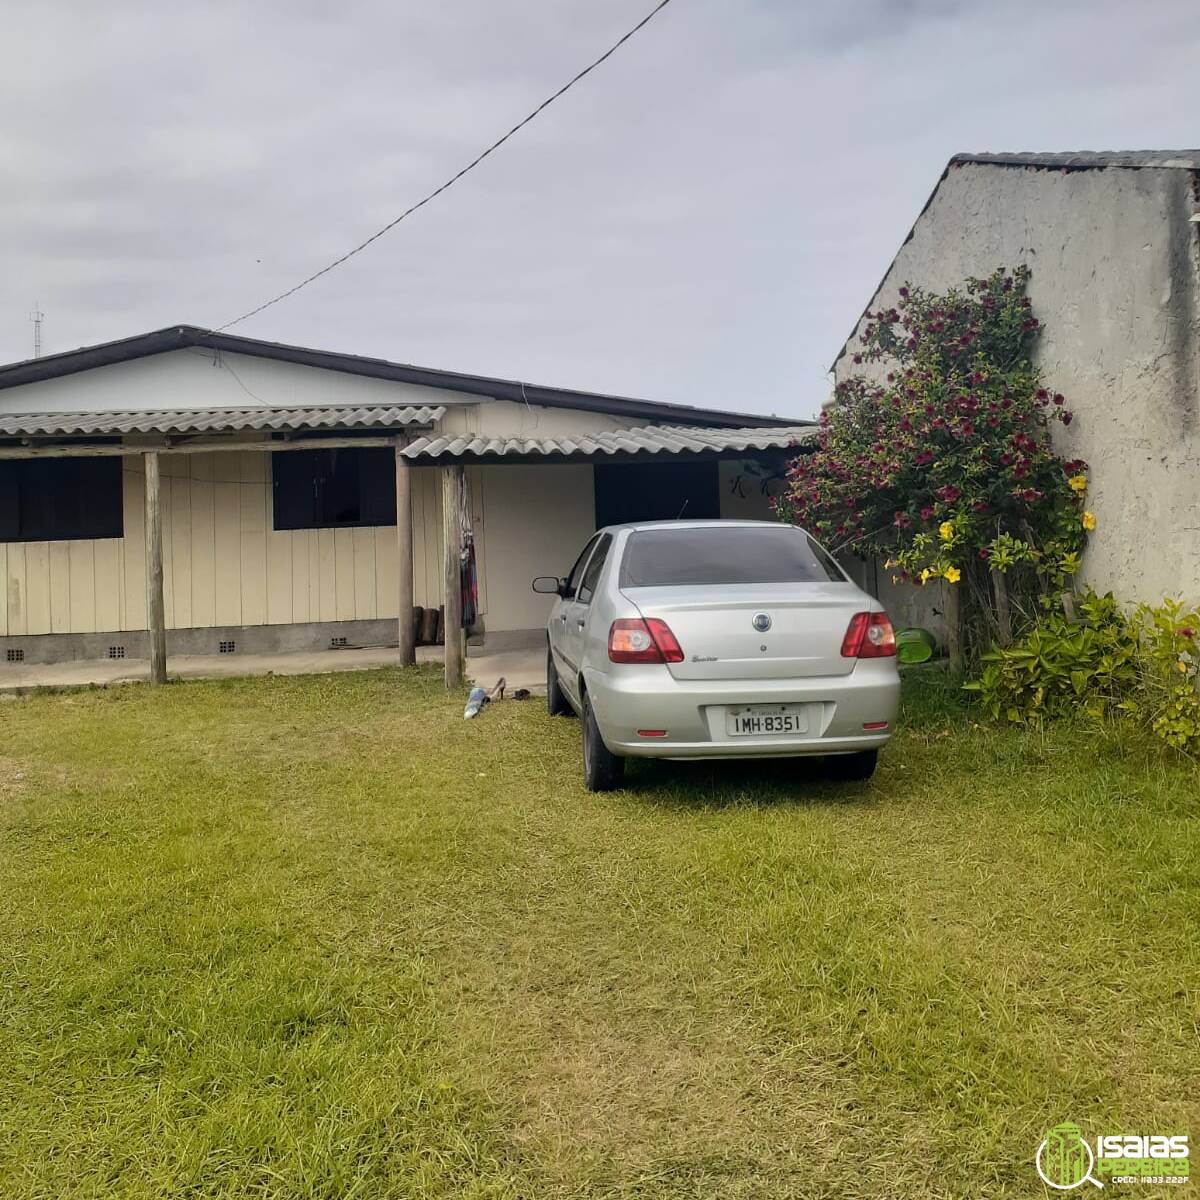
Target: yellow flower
946 530
1088 520
925 574
953 574
1078 483
1181 666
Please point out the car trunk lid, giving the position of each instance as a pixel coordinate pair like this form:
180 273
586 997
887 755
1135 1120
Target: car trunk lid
715 627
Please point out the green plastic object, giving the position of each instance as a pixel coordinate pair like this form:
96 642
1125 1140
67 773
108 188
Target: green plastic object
914 645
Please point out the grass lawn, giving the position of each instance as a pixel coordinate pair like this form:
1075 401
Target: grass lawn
320 937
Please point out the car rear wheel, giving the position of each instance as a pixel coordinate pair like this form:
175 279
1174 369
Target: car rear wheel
602 769
851 767
557 704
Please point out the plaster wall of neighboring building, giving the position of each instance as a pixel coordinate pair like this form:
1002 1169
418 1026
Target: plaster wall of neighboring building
1116 283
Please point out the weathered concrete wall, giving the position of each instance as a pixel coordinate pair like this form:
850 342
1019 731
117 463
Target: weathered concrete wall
1116 283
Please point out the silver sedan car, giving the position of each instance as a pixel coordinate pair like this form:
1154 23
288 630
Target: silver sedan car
718 639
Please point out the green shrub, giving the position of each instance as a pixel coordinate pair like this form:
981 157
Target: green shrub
1166 699
1145 666
1061 666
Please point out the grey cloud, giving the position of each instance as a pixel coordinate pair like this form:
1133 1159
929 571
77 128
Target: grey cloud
701 220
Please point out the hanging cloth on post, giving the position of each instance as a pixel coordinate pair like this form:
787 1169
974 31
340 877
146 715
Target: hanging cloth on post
468 580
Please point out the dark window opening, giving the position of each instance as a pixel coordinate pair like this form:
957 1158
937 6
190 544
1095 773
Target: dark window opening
658 491
60 499
331 489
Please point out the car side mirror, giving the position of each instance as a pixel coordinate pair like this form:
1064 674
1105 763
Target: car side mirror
550 585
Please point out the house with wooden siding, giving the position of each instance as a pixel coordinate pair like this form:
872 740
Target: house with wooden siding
296 498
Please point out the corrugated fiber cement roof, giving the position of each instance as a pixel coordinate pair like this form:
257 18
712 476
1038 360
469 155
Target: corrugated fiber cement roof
215 420
646 439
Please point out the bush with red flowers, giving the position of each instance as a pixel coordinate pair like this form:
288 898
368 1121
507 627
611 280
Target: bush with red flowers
941 463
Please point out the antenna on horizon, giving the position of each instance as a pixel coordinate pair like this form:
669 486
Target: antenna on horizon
37 316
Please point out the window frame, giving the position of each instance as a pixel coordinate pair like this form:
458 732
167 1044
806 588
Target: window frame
599 557
578 566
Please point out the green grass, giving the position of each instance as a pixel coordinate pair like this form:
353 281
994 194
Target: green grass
321 937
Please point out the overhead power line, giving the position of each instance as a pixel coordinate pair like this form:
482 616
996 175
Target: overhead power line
566 87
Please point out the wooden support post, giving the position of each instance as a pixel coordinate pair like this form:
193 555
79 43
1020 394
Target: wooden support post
1003 608
453 478
954 630
155 609
406 640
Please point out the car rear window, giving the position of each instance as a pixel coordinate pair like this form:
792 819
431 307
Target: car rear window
731 554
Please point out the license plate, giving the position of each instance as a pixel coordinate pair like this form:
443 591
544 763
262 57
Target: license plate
765 719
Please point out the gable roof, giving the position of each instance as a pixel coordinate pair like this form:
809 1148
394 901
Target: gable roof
1068 160
180 337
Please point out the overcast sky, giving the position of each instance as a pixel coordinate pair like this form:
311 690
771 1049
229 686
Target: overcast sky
701 220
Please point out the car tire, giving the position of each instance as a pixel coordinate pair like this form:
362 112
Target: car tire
557 704
602 769
852 768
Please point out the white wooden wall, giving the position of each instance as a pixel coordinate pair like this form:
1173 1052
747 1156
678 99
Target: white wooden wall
223 563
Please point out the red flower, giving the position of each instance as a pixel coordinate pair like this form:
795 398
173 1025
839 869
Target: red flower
1187 632
949 493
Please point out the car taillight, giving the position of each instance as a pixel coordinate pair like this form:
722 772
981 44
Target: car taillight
869 636
632 640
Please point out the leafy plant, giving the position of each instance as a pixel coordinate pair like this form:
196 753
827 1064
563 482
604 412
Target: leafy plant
1167 699
1145 666
1062 666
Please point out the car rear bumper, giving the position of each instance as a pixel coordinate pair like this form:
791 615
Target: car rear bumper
692 714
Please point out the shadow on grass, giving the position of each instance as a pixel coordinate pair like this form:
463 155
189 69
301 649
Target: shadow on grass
728 783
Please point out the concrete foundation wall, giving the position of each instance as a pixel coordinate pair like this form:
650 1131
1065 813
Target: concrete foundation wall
1116 283
246 639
